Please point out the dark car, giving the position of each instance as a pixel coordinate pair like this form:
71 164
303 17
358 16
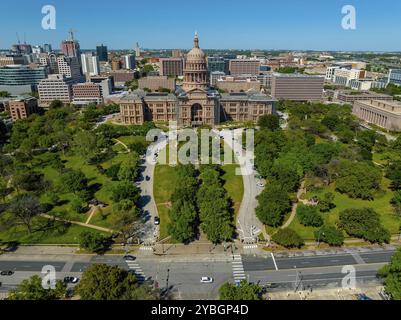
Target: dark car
147 178
72 280
157 221
129 258
7 273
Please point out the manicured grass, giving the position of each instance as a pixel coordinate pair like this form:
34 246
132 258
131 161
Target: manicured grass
53 235
163 187
131 139
234 185
381 204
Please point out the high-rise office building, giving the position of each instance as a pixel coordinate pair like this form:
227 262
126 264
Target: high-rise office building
70 47
102 53
137 50
55 87
171 67
297 87
244 66
129 61
18 79
216 64
69 67
90 64
47 48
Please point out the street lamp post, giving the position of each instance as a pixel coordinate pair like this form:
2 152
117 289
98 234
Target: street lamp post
318 237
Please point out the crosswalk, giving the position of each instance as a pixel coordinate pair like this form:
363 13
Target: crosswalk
238 268
136 268
146 248
250 246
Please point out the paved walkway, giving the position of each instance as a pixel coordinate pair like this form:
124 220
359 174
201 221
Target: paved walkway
91 226
123 144
300 192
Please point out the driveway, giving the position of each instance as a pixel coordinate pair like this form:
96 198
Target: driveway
149 233
248 225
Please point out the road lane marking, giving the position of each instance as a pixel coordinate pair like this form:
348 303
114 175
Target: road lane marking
274 261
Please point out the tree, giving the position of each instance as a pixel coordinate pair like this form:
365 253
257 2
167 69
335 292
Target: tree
391 274
288 238
125 191
74 181
326 203
396 202
274 203
128 170
330 235
93 242
3 189
4 94
112 171
32 289
30 181
182 216
270 122
85 144
245 291
56 104
393 172
309 216
364 223
103 282
358 179
24 208
214 205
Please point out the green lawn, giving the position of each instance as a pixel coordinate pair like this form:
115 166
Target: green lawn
51 235
163 187
234 185
381 204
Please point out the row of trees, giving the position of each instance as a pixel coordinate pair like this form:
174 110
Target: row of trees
200 203
99 282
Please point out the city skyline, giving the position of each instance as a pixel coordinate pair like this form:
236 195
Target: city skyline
260 25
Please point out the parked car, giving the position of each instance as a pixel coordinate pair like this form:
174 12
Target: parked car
157 221
7 273
72 280
206 280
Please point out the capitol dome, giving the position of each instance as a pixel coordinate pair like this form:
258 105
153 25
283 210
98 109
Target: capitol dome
196 74
196 53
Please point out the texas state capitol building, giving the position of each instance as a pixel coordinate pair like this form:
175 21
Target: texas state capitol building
195 103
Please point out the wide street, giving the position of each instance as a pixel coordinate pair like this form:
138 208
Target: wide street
181 274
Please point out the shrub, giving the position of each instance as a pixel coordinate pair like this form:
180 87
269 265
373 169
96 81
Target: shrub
364 223
330 235
309 216
288 238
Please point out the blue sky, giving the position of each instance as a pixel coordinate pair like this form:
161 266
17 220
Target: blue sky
263 24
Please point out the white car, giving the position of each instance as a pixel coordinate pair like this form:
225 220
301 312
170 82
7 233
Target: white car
206 280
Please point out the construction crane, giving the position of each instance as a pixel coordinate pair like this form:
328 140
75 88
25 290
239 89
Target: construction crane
71 33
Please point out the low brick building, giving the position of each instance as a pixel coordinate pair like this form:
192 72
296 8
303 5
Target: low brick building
22 107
